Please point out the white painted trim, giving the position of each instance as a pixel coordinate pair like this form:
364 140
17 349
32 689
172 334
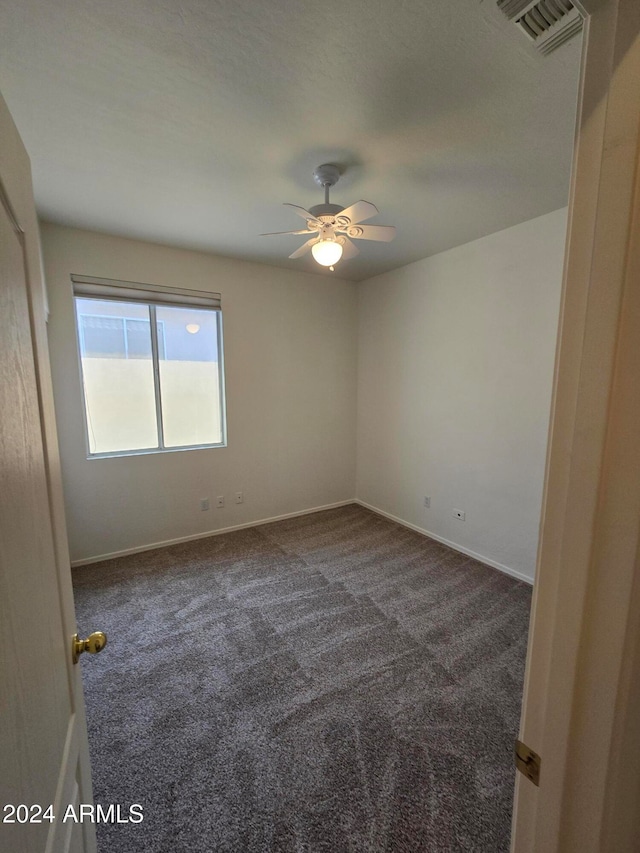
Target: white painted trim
469 553
166 542
579 710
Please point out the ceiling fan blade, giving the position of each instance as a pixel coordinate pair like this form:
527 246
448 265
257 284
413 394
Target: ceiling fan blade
304 248
359 211
275 233
300 211
372 232
349 249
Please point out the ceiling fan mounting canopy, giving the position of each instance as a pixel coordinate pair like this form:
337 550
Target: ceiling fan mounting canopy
334 224
326 175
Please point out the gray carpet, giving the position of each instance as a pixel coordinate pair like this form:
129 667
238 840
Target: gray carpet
333 683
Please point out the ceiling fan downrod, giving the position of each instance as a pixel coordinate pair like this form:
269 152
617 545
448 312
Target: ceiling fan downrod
326 176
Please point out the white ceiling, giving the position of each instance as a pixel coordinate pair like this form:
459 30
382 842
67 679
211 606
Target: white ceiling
190 121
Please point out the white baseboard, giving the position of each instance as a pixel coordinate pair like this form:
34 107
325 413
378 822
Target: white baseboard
86 561
166 542
486 560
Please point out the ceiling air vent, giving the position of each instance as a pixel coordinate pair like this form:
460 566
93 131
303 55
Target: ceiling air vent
547 23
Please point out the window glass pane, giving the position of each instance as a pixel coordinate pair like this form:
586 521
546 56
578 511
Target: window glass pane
189 376
117 370
138 335
104 337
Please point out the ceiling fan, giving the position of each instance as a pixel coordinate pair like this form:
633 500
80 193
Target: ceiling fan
334 227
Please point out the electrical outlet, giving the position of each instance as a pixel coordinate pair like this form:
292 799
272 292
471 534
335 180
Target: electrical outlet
427 501
239 497
220 501
204 504
459 514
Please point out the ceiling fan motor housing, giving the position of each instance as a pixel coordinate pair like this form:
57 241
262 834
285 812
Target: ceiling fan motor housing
319 210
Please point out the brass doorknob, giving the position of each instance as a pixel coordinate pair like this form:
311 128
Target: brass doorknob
93 644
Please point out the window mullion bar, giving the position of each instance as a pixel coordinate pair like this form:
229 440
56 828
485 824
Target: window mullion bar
156 374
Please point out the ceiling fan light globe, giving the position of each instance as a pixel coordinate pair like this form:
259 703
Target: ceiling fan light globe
326 252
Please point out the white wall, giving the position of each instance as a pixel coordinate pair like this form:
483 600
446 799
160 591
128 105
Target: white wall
455 364
290 359
454 369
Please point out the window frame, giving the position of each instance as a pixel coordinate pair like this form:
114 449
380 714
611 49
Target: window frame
90 288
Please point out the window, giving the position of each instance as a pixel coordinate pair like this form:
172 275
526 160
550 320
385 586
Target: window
151 362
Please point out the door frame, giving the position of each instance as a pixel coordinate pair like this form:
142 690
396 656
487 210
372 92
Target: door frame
583 663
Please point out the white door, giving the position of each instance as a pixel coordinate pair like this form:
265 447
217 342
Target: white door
580 709
43 739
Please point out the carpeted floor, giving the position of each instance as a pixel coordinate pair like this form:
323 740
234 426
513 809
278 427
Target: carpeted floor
333 682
